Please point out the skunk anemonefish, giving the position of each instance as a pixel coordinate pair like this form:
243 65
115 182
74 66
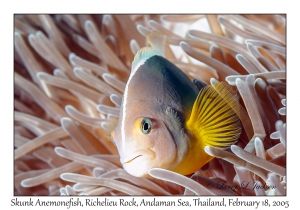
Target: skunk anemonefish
165 122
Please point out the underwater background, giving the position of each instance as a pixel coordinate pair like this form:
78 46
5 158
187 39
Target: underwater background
70 72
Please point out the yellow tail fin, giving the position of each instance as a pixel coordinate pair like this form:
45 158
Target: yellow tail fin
214 120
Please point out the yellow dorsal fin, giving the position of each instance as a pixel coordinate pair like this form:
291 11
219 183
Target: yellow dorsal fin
157 47
214 120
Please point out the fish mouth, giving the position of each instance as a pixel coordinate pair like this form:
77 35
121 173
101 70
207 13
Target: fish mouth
148 154
132 159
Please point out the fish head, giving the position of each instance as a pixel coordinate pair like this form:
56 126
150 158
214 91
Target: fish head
144 141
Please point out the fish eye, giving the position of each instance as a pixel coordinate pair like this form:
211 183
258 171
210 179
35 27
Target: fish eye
146 125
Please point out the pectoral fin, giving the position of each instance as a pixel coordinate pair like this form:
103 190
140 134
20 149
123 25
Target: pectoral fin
214 120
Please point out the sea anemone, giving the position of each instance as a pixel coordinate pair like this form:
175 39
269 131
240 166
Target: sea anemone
70 72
